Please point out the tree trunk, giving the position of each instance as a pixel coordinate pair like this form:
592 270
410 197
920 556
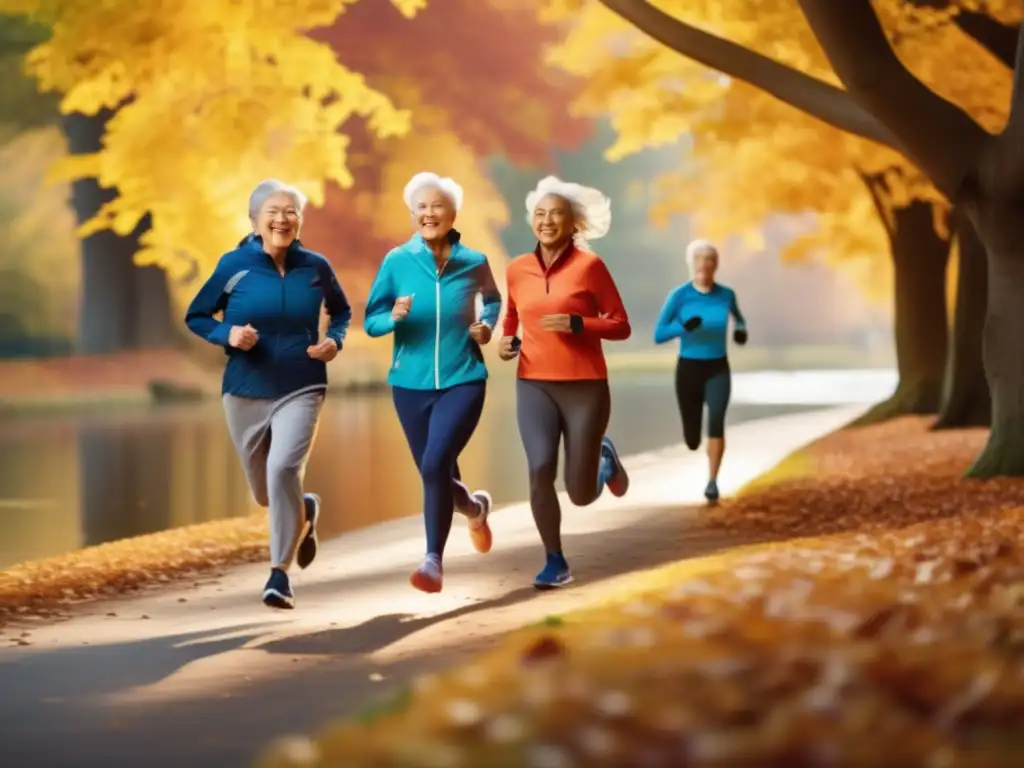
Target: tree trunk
122 306
920 257
966 401
1003 340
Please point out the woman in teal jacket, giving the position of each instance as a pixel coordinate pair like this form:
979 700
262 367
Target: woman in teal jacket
425 294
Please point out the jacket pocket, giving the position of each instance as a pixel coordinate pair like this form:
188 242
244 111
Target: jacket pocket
399 349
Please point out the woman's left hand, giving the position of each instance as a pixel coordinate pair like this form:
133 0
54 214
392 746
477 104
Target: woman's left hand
480 333
560 323
325 351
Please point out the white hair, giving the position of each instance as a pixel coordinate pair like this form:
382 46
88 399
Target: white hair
697 248
426 180
269 187
591 209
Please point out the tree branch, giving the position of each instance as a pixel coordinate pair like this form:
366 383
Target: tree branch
1015 122
994 36
815 97
875 182
940 137
997 38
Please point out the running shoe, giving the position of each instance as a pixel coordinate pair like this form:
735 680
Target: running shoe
428 577
555 573
618 478
711 491
278 592
479 529
310 544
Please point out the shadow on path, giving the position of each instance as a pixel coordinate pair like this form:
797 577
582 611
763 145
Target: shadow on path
39 725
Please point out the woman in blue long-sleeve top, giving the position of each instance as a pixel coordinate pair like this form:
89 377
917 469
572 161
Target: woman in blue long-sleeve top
697 313
425 294
270 290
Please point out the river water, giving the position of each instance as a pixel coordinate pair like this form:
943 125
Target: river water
74 480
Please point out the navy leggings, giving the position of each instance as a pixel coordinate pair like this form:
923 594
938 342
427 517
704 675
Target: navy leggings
438 424
700 382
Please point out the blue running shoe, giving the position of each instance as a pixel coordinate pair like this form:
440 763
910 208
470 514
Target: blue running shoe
278 592
711 491
614 473
555 574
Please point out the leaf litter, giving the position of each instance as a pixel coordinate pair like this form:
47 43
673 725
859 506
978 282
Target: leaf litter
895 639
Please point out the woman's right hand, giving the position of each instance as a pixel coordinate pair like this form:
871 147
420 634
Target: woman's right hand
506 348
243 337
401 308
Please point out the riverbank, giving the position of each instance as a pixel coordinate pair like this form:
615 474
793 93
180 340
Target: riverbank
893 640
53 587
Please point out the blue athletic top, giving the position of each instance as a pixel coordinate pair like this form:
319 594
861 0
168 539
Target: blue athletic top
285 311
709 340
433 349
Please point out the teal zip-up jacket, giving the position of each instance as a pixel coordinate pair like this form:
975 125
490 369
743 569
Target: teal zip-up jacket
433 349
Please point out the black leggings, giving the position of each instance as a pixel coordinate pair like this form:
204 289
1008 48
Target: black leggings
699 382
549 412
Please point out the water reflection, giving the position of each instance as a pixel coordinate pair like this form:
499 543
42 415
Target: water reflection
69 481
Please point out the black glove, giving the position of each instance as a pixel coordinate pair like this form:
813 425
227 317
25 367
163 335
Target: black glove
692 324
739 336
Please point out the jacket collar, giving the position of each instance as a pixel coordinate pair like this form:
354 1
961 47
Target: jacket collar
560 260
254 243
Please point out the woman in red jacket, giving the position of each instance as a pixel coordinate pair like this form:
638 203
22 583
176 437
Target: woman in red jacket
564 299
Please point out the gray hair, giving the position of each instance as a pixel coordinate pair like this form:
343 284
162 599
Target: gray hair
268 187
700 247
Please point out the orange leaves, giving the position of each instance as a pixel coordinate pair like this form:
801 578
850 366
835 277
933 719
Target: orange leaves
43 587
883 476
887 645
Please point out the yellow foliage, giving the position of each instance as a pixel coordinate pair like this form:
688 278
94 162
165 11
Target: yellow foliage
37 230
753 156
215 95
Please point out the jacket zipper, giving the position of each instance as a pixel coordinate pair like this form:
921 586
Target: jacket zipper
437 326
277 338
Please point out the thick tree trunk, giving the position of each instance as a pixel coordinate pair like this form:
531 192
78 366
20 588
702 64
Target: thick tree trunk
920 257
966 401
122 306
1003 341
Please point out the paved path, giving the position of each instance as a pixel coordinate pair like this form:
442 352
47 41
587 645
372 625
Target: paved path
204 675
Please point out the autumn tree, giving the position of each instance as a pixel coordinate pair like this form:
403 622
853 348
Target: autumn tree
172 115
982 171
655 95
490 95
966 391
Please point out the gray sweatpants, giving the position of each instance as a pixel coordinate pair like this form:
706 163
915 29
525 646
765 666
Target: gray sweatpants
273 438
548 412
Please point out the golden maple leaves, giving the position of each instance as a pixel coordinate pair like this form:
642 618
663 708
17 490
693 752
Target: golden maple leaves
214 95
886 645
753 156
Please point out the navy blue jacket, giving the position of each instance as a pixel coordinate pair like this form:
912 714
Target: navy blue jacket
284 310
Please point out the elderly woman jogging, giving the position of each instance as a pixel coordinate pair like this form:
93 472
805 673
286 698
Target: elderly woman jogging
697 313
269 292
566 302
425 294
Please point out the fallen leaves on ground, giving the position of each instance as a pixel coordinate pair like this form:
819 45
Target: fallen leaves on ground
882 476
47 587
890 645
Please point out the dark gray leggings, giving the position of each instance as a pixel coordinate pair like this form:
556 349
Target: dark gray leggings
547 411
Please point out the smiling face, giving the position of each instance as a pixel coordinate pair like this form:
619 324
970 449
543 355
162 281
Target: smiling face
553 221
705 264
278 221
433 214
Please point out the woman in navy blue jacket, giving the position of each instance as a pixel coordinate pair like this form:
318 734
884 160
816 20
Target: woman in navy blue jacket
270 290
